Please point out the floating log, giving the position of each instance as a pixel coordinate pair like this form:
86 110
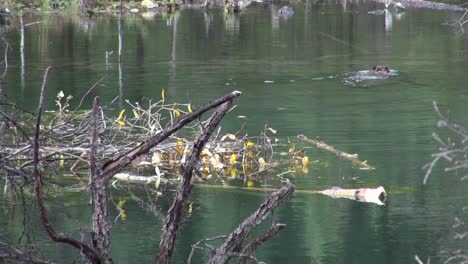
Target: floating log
352 157
369 195
136 178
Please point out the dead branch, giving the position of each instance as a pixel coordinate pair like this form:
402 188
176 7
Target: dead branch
98 186
92 256
205 246
171 226
232 243
250 249
112 167
352 157
460 22
10 254
454 152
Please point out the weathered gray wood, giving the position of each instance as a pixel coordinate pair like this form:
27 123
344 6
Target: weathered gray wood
89 253
172 223
99 188
232 244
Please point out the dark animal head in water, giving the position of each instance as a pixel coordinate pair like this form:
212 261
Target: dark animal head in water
379 69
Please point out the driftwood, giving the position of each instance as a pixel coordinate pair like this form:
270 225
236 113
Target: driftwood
352 157
367 195
232 244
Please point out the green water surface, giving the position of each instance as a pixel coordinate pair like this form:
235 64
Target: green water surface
292 72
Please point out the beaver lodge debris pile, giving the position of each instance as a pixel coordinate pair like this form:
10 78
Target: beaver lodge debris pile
65 143
64 138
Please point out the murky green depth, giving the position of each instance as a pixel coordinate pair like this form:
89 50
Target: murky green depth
292 74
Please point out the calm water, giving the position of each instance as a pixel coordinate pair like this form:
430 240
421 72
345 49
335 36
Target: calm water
292 74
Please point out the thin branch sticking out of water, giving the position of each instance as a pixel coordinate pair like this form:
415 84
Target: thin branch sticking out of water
454 152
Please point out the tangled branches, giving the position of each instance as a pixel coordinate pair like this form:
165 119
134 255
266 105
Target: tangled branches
453 150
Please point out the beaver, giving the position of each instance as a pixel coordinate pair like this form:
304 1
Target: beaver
380 70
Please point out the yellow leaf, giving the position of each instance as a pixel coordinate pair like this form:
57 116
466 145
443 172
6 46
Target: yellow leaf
123 215
305 161
121 114
189 107
250 183
179 150
176 112
233 158
162 94
121 122
250 144
121 203
190 208
233 173
139 143
180 143
135 113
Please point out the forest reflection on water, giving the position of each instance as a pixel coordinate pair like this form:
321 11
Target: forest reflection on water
292 73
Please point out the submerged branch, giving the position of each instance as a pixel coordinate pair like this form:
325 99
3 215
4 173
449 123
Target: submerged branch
10 254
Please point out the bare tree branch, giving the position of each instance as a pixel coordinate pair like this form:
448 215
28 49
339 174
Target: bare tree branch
92 256
171 226
233 242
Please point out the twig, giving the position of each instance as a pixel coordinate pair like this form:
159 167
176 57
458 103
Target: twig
197 245
16 255
252 246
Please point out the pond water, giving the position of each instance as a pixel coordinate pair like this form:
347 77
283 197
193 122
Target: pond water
292 72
